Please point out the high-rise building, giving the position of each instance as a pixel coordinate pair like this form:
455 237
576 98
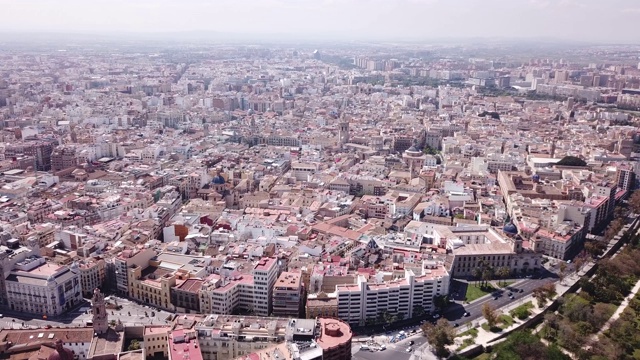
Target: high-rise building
625 177
265 274
288 295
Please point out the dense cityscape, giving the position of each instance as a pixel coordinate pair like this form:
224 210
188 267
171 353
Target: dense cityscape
192 200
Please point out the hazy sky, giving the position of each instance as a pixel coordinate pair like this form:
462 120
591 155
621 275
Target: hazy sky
590 20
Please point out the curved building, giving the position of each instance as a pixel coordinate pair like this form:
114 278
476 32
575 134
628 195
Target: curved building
334 339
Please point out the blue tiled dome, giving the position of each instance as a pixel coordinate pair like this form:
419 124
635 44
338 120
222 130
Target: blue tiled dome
510 229
218 180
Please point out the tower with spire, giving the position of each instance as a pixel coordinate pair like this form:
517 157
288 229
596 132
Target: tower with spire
100 316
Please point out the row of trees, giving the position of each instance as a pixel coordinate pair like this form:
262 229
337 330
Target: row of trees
582 315
487 273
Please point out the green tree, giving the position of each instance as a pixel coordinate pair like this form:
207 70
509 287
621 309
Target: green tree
134 345
477 273
504 272
439 336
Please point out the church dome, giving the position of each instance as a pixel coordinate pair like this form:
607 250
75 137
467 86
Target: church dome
218 180
510 229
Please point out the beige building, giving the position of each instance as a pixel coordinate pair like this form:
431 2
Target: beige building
152 285
288 295
155 340
322 305
92 275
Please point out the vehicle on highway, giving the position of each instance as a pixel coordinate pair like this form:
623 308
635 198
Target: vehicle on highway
411 342
409 349
383 347
436 316
467 314
456 324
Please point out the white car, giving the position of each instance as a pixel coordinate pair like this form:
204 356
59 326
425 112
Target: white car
409 349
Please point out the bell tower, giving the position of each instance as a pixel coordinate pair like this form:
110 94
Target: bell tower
343 130
100 316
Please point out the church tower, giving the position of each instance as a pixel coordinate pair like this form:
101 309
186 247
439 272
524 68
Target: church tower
343 131
100 316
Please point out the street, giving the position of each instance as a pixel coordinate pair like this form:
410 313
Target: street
394 351
454 314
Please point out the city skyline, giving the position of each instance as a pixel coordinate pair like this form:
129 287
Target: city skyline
411 20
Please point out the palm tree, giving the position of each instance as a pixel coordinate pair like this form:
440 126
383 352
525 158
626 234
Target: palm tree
504 272
477 273
487 275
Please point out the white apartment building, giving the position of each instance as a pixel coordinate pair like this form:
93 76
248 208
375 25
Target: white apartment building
302 171
365 301
265 274
35 287
224 293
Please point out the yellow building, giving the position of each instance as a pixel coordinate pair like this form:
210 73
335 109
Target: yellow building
152 285
155 340
92 275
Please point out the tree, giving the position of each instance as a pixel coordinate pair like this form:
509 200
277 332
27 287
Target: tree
504 273
580 261
543 293
418 310
400 316
487 275
562 271
134 345
439 336
441 301
490 314
634 202
477 273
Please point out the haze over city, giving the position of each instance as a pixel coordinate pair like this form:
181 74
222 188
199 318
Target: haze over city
611 21
319 180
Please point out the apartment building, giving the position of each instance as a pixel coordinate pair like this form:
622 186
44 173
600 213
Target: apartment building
288 295
223 337
186 296
363 302
36 287
224 295
124 261
92 275
152 283
265 274
321 305
155 341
